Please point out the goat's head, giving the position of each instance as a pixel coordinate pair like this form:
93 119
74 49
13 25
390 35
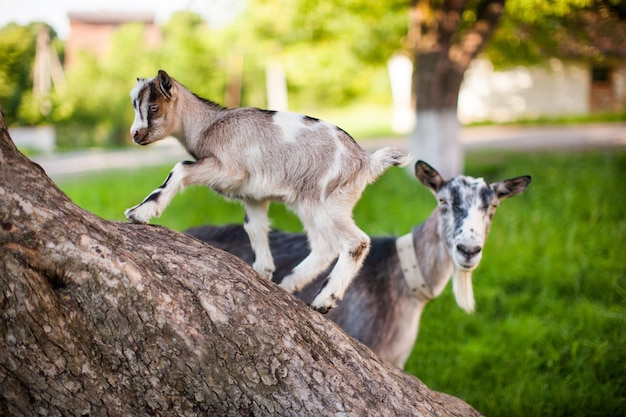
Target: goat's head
151 100
466 209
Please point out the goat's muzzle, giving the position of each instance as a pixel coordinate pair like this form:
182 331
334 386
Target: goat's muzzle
140 137
469 251
467 256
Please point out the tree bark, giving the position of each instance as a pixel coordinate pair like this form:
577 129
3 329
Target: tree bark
444 37
107 318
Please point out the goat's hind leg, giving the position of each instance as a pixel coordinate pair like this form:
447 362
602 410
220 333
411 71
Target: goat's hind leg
323 252
257 227
355 246
154 204
331 232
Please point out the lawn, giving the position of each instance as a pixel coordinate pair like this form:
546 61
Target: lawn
549 334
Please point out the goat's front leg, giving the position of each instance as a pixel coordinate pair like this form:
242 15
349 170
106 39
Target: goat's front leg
157 200
257 226
207 171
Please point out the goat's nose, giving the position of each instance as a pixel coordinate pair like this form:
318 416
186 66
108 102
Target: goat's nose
134 133
468 251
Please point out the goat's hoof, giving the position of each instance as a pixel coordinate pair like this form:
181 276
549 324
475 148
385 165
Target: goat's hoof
131 218
322 309
138 214
289 286
324 306
265 272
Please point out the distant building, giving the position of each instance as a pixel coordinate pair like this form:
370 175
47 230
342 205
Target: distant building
92 32
560 87
580 78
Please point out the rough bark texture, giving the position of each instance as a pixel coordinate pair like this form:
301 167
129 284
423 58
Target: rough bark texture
443 44
106 318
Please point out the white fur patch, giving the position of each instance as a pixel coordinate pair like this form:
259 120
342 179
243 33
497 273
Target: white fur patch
140 106
134 93
336 166
290 123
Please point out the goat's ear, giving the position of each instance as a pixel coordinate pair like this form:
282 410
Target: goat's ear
165 83
428 176
510 188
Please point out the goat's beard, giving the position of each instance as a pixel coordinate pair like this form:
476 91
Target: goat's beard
463 291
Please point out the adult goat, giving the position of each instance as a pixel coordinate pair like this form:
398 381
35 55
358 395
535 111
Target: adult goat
256 156
383 306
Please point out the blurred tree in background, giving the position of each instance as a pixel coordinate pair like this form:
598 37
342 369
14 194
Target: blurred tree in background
330 58
446 35
192 52
97 93
530 31
17 56
98 89
333 54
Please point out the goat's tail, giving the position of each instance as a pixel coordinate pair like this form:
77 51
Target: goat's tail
386 157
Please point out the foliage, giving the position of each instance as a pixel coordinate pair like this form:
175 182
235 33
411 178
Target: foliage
372 30
17 57
532 30
549 335
193 53
98 88
97 93
96 100
334 54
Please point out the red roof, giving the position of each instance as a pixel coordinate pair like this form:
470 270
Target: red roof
104 18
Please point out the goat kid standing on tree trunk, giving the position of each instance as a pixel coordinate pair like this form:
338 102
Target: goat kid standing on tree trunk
383 306
257 156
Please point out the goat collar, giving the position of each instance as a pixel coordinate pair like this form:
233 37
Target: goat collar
411 269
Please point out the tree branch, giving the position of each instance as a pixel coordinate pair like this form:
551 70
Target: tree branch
108 318
473 40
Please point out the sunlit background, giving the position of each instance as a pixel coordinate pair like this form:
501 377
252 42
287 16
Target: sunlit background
549 334
348 61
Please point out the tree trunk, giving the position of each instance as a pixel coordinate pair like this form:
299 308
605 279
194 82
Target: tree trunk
444 37
106 318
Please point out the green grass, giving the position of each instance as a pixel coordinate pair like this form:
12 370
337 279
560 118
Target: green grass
549 334
601 117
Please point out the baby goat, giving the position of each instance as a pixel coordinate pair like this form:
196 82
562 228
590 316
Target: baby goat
383 306
253 155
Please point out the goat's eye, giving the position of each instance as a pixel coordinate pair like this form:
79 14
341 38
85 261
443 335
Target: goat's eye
443 201
153 108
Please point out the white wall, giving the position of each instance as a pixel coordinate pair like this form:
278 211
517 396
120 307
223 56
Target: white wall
40 138
619 82
556 88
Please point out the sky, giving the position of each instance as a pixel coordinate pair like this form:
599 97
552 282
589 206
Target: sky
54 12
